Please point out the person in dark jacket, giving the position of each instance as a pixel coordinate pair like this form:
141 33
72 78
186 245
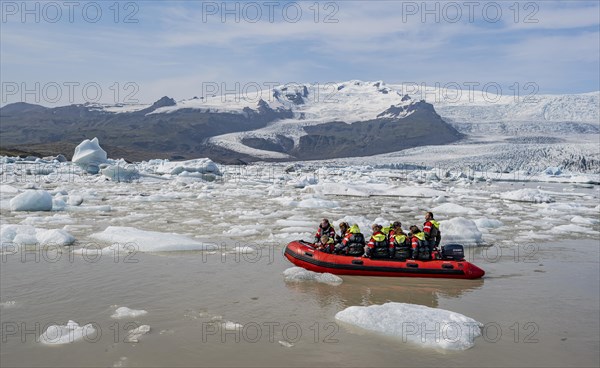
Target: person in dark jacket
431 229
395 228
325 228
326 244
418 243
344 227
378 246
353 243
399 241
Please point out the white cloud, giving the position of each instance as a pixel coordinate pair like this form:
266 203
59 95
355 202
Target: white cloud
172 51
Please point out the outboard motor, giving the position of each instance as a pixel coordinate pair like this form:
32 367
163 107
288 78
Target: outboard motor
453 251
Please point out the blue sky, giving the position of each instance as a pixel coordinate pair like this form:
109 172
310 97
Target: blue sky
173 48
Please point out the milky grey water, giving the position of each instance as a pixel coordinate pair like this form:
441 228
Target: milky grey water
539 301
538 310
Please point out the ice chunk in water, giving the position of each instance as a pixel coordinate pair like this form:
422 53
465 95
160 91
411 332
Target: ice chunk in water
135 334
134 239
66 334
527 195
429 327
89 155
460 230
32 200
124 312
298 274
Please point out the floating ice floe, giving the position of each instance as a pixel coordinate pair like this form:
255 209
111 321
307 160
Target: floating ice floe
159 197
32 200
54 219
231 326
124 312
460 230
298 274
54 237
135 334
487 223
89 156
99 208
303 181
200 165
285 343
309 202
132 239
529 236
8 304
29 235
66 334
584 220
375 189
317 203
527 195
570 229
6 189
244 230
121 172
428 327
453 208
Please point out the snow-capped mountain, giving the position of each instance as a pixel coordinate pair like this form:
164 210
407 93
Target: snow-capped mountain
283 123
302 121
357 100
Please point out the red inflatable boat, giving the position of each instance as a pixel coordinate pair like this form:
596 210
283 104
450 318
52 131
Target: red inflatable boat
302 254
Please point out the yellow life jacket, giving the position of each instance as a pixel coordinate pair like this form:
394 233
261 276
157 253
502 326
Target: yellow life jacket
400 238
379 237
354 229
435 223
420 235
386 230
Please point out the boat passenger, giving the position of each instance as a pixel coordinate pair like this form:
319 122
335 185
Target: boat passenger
420 250
344 227
325 228
399 241
353 243
378 246
431 228
395 229
325 244
386 230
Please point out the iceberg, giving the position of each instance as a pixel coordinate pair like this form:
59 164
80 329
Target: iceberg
32 200
200 165
527 195
66 334
121 173
428 327
28 235
131 239
460 230
453 208
89 156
